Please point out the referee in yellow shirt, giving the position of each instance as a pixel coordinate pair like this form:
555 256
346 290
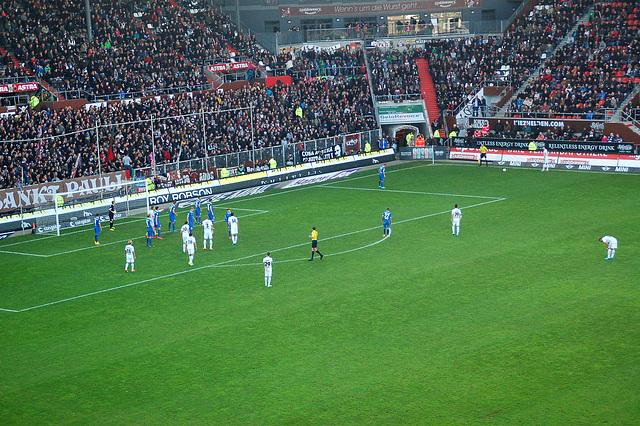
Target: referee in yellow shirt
314 244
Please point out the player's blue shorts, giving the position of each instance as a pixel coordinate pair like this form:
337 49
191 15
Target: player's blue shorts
386 223
198 212
381 177
150 232
97 231
210 217
172 218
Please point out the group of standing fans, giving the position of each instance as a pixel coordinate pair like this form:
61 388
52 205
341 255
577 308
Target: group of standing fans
163 45
595 70
51 145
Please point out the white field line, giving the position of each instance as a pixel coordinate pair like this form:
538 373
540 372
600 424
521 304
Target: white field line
63 234
303 258
232 261
223 203
220 264
23 254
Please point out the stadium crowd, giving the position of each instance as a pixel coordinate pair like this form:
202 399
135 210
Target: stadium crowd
596 70
460 65
395 73
148 47
142 47
50 145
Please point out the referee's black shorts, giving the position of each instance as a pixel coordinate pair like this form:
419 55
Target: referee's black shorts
314 243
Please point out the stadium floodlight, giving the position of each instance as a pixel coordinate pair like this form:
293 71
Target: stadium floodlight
77 208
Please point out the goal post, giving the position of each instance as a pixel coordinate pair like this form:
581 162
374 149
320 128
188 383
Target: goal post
80 207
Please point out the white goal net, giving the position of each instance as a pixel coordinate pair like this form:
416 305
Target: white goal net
77 208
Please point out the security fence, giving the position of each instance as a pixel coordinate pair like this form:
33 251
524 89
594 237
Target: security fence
289 154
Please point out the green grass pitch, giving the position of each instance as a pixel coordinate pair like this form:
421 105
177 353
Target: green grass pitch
517 320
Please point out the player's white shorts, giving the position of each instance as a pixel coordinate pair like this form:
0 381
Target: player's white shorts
129 259
268 273
234 229
208 235
191 250
184 238
613 245
456 222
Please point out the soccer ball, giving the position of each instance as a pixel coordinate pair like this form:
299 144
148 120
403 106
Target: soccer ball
504 170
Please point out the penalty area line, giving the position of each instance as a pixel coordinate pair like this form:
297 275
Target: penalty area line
228 262
23 254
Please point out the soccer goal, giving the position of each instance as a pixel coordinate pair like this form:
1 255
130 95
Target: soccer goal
80 207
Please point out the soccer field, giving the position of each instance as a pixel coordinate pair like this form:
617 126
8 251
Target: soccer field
519 319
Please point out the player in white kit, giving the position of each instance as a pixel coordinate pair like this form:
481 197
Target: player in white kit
267 263
130 257
545 164
185 234
208 233
612 245
456 216
191 247
233 228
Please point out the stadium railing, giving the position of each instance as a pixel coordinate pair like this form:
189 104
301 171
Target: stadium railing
83 94
601 114
285 155
399 98
21 79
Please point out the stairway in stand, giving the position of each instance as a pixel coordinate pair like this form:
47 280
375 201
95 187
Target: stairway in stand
28 72
428 89
16 63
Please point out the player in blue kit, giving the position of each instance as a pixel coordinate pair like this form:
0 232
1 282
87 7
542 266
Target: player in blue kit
172 216
227 215
150 231
156 222
386 223
198 211
212 217
382 172
190 219
98 228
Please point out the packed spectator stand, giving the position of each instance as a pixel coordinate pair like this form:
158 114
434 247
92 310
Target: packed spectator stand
595 71
161 47
395 74
47 143
459 66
